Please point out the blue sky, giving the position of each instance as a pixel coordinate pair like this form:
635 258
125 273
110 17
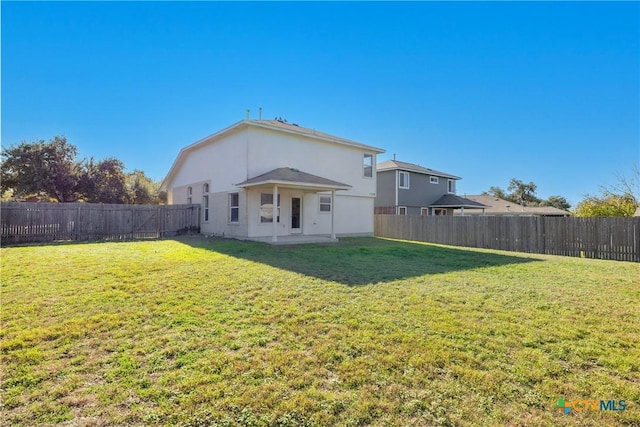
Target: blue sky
543 92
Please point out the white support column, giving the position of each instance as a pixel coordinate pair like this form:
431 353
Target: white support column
274 237
462 210
333 211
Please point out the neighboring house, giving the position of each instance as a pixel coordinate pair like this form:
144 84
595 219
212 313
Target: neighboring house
410 189
497 206
320 184
637 213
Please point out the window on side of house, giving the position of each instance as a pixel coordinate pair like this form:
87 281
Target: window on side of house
404 180
266 208
205 207
439 211
367 165
234 207
402 210
451 186
325 203
189 195
424 211
434 179
205 188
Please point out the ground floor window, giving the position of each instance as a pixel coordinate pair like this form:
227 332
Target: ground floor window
424 211
325 203
402 210
234 207
205 207
439 211
266 208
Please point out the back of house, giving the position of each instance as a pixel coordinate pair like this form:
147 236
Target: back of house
268 178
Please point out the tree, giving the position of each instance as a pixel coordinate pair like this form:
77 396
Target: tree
557 202
41 168
607 205
142 188
523 194
619 199
105 182
497 192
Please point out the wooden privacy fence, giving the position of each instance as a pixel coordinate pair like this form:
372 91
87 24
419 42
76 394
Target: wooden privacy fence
602 238
47 222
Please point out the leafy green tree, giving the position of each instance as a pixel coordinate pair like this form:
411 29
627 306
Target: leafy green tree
144 191
105 182
523 193
497 192
557 202
41 168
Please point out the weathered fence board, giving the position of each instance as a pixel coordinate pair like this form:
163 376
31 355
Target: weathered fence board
48 222
603 238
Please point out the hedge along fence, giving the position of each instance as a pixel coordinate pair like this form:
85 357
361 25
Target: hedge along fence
603 238
47 222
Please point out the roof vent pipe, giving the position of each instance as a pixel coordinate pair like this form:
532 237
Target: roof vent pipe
260 113
248 111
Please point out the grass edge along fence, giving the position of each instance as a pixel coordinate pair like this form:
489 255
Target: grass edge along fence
48 222
601 238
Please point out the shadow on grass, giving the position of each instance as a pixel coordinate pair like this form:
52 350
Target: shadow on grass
357 261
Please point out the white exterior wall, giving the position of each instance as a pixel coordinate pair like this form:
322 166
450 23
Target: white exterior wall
269 150
247 153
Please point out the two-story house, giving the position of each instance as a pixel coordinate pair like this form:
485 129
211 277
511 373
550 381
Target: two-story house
409 189
268 178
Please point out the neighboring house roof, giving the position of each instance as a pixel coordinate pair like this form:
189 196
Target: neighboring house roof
293 177
395 164
497 206
273 125
453 201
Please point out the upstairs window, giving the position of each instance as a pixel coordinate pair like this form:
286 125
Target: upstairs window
234 207
367 165
434 179
451 186
404 180
325 203
189 195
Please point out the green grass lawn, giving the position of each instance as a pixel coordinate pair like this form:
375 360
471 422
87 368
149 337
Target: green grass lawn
199 331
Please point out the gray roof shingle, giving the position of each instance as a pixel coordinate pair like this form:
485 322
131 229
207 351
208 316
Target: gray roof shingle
411 167
295 177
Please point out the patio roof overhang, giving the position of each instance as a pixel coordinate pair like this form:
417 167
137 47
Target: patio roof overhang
291 178
456 202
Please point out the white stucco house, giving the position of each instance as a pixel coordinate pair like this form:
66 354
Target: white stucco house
323 185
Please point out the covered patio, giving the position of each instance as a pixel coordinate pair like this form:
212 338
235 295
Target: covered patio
291 179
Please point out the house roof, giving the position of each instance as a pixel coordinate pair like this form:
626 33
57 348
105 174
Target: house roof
411 167
273 125
290 177
497 206
456 202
